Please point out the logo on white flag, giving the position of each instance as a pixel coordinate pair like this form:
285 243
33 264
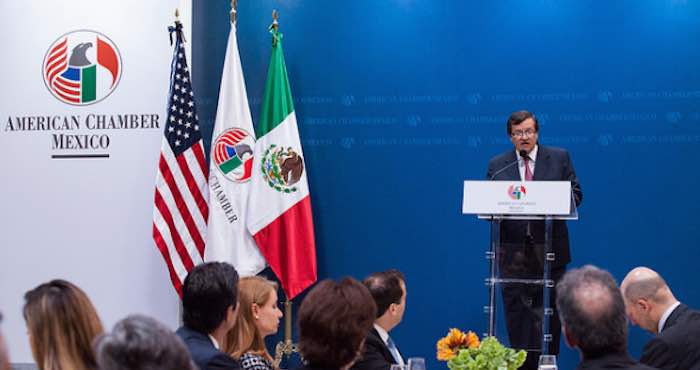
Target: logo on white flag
233 154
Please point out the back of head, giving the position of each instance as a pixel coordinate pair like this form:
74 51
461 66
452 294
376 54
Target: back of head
141 343
385 288
208 291
245 336
592 311
62 324
334 319
645 283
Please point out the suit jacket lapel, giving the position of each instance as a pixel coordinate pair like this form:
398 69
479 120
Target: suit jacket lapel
385 350
541 163
513 172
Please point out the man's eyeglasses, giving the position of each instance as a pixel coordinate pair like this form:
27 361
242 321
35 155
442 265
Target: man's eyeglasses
519 134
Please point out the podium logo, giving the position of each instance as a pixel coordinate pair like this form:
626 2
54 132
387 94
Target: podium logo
233 154
82 67
516 192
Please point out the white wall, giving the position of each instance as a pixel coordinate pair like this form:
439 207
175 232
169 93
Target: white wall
84 220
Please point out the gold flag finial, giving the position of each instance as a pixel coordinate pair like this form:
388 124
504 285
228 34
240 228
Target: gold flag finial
234 15
177 14
275 15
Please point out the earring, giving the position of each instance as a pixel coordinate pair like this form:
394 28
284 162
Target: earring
257 317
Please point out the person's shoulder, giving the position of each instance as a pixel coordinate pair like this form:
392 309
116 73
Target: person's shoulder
642 367
254 361
222 361
502 157
203 352
552 150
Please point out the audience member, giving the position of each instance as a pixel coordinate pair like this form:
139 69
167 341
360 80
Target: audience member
258 317
209 309
593 319
388 289
651 305
334 320
62 324
4 357
141 343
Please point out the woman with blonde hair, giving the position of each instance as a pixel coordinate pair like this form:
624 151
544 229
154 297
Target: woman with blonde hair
258 317
62 323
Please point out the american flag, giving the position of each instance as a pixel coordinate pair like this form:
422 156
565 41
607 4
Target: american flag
61 79
180 213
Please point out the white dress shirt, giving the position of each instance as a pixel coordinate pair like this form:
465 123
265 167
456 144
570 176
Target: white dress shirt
530 163
213 340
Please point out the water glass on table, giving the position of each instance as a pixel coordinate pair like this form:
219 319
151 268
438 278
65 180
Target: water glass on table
416 363
547 362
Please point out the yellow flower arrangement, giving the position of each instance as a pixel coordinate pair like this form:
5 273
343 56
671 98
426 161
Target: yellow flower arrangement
455 340
464 351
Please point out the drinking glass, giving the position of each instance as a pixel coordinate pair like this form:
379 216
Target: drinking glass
547 362
416 363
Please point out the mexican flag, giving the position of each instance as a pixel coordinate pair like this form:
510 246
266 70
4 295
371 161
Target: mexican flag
231 167
279 206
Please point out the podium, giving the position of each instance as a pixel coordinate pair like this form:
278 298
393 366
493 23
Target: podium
497 201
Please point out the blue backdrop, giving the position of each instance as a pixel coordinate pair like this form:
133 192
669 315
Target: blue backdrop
399 101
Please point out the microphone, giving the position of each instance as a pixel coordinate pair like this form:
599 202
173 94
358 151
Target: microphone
522 153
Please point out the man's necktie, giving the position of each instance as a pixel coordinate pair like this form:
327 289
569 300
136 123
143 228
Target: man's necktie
528 173
394 351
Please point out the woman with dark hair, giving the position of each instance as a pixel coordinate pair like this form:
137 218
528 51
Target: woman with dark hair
62 323
334 320
258 317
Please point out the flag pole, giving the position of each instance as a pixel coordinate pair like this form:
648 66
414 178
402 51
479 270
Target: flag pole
286 347
234 15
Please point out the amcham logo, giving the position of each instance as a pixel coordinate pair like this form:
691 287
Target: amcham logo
233 154
82 67
516 192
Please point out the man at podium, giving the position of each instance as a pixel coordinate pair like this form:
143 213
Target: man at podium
520 254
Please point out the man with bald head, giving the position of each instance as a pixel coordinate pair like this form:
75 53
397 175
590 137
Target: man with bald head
593 319
651 305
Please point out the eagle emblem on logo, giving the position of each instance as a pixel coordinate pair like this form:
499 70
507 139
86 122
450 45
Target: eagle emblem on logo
282 168
82 67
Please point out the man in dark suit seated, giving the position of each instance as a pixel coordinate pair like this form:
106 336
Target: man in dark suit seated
388 290
651 305
593 319
209 310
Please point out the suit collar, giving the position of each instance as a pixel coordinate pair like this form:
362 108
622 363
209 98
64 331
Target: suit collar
676 312
604 361
542 162
512 173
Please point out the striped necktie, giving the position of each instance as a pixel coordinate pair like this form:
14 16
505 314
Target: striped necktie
528 173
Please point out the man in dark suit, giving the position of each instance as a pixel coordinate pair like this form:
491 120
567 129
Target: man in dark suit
388 289
651 305
209 310
521 253
593 318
